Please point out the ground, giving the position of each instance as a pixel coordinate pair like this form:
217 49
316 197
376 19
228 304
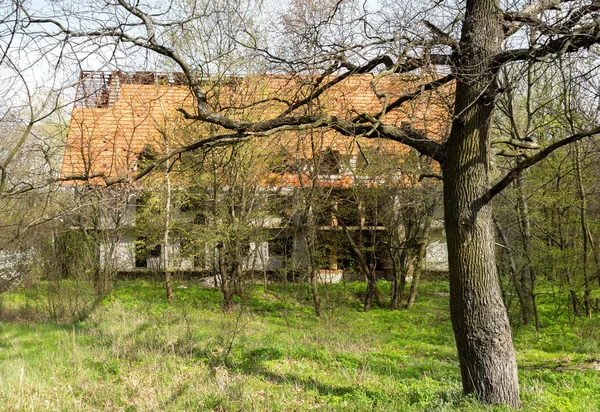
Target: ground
134 352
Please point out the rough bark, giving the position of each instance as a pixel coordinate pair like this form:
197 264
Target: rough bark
479 318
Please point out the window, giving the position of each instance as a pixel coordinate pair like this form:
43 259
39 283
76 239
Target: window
144 251
329 161
281 245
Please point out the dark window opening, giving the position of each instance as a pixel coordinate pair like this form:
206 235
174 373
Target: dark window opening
143 78
282 162
142 200
324 214
143 251
195 252
329 161
281 246
200 219
376 209
141 257
200 260
346 207
155 251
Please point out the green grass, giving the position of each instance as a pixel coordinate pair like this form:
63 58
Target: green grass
134 352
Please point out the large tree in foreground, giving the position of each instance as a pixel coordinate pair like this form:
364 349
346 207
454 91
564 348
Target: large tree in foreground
466 43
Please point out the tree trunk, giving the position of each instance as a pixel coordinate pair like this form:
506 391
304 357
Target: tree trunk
407 265
510 256
236 273
167 224
225 284
408 254
376 292
369 273
314 266
314 287
585 230
421 251
414 284
527 284
370 290
395 300
479 318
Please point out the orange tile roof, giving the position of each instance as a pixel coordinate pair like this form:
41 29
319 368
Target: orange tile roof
108 135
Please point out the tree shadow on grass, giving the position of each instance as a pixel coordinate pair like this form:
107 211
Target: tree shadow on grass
254 363
308 384
411 391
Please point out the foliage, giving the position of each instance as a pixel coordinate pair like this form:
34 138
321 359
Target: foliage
550 216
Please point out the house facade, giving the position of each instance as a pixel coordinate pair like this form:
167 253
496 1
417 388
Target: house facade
285 196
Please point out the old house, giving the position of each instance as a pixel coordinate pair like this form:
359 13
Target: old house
122 122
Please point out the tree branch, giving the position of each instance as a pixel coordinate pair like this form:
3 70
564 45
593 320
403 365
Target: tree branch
525 164
425 87
516 20
584 38
528 17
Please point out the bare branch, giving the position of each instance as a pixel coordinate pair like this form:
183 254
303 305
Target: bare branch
536 158
582 39
517 143
516 20
425 87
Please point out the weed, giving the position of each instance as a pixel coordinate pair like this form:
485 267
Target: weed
136 352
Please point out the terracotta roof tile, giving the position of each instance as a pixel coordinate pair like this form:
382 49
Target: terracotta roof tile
108 139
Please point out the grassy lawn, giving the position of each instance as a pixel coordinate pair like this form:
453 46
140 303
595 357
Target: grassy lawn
134 352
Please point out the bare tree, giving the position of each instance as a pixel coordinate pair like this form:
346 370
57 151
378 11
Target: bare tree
465 43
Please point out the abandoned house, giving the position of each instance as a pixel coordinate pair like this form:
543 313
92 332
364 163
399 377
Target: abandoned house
285 195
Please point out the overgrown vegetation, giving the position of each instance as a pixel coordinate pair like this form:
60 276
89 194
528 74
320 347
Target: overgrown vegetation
484 89
137 352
